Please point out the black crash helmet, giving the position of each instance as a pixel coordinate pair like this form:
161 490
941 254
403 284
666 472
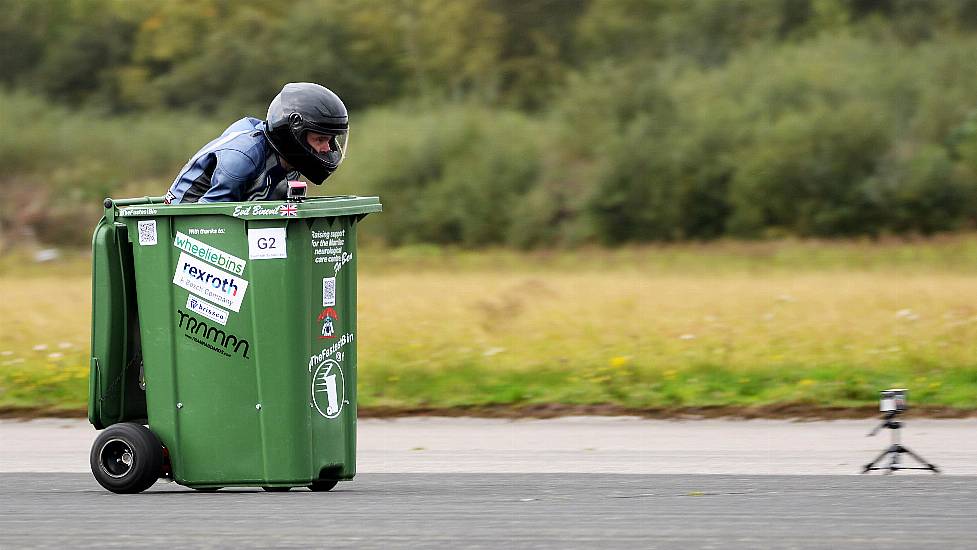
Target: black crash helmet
300 108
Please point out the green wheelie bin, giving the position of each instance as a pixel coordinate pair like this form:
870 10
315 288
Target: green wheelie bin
224 343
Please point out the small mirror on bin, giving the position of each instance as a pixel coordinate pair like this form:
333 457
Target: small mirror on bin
297 191
892 401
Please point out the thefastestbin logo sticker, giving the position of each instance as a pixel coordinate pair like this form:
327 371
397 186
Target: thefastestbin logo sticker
329 389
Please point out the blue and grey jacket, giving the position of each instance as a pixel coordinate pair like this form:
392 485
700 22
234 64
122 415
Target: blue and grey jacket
240 165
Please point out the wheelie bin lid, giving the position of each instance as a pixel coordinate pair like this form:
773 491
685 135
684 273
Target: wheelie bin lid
315 207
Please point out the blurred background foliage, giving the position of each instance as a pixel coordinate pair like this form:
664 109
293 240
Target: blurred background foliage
532 124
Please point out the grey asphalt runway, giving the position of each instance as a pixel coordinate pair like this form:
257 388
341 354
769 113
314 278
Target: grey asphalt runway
562 483
583 445
503 511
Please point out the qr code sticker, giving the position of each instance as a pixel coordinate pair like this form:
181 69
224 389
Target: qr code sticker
147 232
328 291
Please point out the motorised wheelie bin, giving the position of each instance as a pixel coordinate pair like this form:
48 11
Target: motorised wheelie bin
230 330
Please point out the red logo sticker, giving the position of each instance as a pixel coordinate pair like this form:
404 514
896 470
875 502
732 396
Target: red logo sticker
327 316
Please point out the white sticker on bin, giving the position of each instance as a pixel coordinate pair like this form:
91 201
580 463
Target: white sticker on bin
266 243
329 389
147 232
207 310
208 253
208 282
328 291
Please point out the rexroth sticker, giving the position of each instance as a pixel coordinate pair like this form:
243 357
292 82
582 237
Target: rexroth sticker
207 281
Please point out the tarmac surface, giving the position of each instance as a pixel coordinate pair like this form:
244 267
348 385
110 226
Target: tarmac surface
619 445
565 483
502 511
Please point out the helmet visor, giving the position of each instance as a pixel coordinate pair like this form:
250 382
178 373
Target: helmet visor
330 149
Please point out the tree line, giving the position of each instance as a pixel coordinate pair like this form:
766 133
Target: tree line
540 123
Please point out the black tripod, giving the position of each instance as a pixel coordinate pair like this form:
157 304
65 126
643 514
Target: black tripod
895 450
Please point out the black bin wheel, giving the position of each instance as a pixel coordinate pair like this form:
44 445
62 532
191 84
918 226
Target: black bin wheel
323 485
127 458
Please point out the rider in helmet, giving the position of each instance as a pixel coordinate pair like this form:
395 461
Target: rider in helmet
305 132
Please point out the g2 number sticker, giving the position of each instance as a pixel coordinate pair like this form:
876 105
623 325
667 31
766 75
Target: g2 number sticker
266 243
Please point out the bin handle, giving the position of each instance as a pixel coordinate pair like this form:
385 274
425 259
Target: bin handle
110 202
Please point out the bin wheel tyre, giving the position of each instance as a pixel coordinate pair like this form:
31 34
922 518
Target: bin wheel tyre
126 458
277 489
323 485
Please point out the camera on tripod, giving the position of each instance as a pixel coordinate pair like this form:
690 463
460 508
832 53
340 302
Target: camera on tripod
893 402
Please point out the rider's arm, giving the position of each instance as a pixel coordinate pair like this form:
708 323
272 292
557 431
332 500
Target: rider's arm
232 175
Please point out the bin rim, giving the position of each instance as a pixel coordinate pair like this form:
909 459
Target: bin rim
314 207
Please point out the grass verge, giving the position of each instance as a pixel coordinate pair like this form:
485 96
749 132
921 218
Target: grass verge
724 327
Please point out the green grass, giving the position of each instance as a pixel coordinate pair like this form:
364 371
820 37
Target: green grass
728 323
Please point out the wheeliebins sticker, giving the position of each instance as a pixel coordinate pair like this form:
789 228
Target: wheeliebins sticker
209 253
206 281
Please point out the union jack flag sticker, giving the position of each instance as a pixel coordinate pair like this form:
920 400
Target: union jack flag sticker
288 210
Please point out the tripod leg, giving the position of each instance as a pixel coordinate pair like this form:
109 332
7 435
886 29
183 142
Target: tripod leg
894 461
871 465
920 459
